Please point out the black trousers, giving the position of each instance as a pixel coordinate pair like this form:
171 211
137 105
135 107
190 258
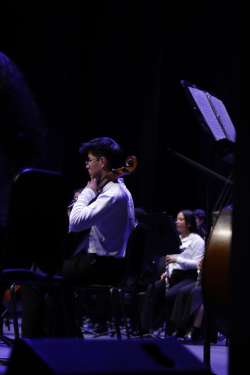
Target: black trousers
187 302
86 269
164 301
40 313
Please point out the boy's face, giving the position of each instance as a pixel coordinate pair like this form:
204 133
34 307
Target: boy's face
94 166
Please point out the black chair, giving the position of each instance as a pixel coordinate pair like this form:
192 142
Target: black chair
36 234
134 258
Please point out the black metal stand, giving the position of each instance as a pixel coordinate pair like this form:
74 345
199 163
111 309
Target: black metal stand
206 348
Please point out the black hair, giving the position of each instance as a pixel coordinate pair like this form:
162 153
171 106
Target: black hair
139 213
200 213
22 129
190 221
106 147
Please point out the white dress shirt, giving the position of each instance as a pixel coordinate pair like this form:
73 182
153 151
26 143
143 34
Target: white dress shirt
194 249
110 217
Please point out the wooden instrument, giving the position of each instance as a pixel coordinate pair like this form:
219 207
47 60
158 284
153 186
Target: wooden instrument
130 166
216 272
7 299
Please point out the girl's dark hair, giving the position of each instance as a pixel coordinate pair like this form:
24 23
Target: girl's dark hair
106 147
190 221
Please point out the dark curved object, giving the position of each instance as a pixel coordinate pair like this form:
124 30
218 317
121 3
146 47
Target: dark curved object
216 272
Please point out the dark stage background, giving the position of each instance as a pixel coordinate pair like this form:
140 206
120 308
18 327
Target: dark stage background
113 68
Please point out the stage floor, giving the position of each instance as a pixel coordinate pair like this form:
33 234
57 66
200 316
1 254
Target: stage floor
219 352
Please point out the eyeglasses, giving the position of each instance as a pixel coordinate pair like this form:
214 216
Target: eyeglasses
88 162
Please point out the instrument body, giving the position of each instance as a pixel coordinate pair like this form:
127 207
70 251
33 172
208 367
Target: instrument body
7 299
216 272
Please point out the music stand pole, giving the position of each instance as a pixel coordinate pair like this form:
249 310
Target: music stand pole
152 299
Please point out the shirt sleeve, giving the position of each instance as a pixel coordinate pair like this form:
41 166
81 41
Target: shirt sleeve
197 248
83 216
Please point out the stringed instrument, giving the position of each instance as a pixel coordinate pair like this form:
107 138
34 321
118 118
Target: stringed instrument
7 299
75 238
216 272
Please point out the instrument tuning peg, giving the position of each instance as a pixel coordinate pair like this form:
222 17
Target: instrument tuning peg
124 169
114 171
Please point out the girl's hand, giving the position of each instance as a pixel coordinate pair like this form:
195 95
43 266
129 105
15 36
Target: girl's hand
170 259
199 264
163 276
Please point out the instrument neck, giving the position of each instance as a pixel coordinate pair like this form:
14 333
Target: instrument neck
104 181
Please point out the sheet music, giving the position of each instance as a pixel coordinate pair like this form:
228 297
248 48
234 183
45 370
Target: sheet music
210 116
225 119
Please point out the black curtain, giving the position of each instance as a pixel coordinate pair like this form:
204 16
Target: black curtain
240 259
113 68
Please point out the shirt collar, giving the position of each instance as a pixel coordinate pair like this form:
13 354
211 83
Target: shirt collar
109 184
106 187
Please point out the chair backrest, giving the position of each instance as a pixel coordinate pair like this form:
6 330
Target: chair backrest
134 253
37 221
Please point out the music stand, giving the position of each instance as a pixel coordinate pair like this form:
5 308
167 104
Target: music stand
214 119
166 241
